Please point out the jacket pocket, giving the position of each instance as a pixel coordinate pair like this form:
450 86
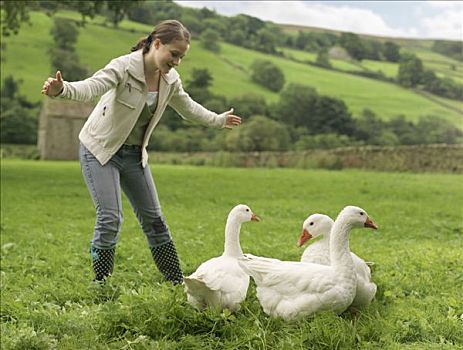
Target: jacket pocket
130 94
102 122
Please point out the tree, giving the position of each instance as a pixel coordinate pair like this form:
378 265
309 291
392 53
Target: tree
18 124
259 134
433 129
117 10
2 50
323 141
391 51
217 103
198 85
243 30
210 40
194 25
14 13
410 70
404 129
453 49
266 40
205 13
330 115
63 55
200 78
301 106
68 63
267 74
181 140
441 86
217 25
323 58
248 105
295 103
64 33
302 40
10 87
353 45
236 37
141 14
18 117
372 49
368 126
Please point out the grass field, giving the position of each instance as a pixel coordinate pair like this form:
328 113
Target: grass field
444 66
312 57
47 219
26 57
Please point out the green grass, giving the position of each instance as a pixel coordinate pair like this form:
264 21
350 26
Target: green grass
444 66
312 57
389 69
387 100
27 58
47 221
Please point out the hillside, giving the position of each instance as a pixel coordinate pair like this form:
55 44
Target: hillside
26 58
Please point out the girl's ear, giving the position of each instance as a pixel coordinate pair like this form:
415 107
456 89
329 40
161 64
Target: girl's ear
156 43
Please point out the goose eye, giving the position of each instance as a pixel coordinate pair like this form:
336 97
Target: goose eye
311 224
361 213
247 209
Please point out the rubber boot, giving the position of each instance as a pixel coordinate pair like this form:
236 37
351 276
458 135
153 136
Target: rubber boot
103 262
166 259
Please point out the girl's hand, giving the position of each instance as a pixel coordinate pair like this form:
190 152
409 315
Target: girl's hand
231 120
53 86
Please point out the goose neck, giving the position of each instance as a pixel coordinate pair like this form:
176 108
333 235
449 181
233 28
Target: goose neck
339 246
232 238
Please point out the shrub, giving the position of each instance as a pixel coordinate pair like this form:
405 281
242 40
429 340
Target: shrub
296 102
64 34
267 74
63 55
210 40
323 59
323 141
410 70
248 105
18 118
259 134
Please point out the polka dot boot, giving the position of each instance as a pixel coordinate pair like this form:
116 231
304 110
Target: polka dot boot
166 259
103 262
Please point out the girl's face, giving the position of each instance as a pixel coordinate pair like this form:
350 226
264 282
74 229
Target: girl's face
167 56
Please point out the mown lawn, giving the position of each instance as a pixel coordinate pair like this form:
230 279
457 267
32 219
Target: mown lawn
46 224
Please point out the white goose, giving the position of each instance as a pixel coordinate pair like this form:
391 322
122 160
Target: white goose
220 282
294 289
318 225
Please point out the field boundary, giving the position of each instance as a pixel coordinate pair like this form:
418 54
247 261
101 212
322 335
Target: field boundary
434 99
417 158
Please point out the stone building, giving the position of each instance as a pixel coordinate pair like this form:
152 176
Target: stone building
60 122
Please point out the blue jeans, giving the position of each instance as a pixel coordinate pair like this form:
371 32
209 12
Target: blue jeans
104 183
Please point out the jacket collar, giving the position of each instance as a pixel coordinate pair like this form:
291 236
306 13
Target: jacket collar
136 68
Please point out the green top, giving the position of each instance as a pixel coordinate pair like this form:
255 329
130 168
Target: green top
138 131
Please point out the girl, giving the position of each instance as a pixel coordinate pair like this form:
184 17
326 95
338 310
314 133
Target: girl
135 90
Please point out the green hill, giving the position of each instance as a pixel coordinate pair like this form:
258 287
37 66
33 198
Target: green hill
442 65
26 57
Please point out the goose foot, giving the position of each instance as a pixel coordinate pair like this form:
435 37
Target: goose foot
354 314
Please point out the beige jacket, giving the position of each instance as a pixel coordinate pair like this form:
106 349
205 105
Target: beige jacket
124 92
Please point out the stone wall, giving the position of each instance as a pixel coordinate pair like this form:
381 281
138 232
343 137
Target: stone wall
417 158
60 122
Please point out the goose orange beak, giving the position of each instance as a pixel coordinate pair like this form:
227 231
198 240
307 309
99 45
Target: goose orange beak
371 224
254 217
305 236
